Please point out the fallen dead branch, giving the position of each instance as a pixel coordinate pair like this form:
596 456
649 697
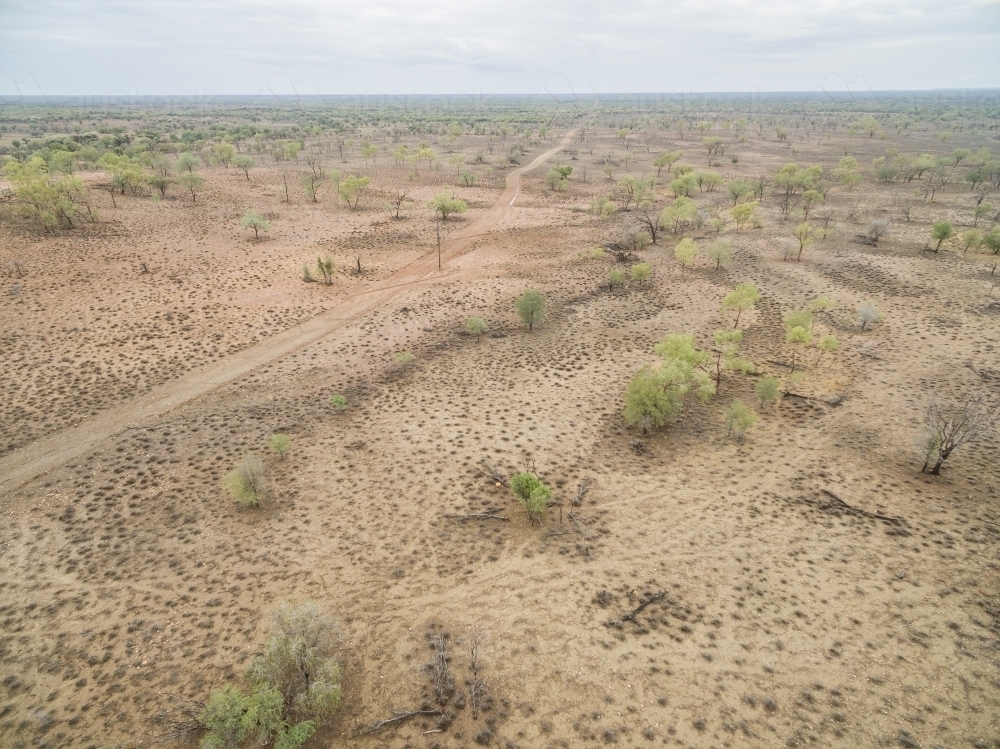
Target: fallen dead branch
578 525
378 725
178 721
581 492
838 502
790 394
630 616
493 474
490 514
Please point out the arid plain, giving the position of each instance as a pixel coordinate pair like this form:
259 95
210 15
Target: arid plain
806 585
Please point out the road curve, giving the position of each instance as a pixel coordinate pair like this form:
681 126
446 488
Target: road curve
28 462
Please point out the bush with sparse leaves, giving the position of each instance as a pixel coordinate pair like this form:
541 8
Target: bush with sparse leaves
245 483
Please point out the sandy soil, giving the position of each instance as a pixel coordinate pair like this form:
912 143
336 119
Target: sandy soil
786 619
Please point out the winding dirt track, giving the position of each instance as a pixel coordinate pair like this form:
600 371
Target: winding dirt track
30 461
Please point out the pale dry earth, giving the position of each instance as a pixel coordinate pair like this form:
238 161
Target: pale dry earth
786 620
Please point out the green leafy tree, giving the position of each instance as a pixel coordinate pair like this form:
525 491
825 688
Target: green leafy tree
476 326
981 210
727 358
326 268
351 188
530 307
641 272
767 389
192 183
311 183
804 236
665 159
742 298
557 178
745 214
797 335
467 178
971 239
299 661
707 181
648 403
161 183
531 493
445 205
821 304
223 153
53 201
232 717
739 418
279 442
604 207
679 215
656 394
942 232
791 181
615 278
738 189
245 483
799 319
685 252
403 359
253 220
187 162
847 172
338 401
719 252
827 344
684 185
809 199
991 240
244 163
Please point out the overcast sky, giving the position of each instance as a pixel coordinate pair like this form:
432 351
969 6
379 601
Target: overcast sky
515 46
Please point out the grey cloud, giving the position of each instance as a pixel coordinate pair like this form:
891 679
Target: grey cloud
223 46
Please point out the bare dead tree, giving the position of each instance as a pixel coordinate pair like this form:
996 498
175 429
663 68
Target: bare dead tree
951 426
477 688
878 229
440 672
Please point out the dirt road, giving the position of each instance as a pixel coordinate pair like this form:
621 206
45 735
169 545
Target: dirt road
35 459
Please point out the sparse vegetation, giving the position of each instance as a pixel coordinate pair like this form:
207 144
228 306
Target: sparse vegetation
530 307
279 442
739 418
253 220
245 483
476 326
531 493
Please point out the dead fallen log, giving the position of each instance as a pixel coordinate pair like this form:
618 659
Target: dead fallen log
487 515
493 474
630 616
396 719
790 394
578 526
858 511
581 492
